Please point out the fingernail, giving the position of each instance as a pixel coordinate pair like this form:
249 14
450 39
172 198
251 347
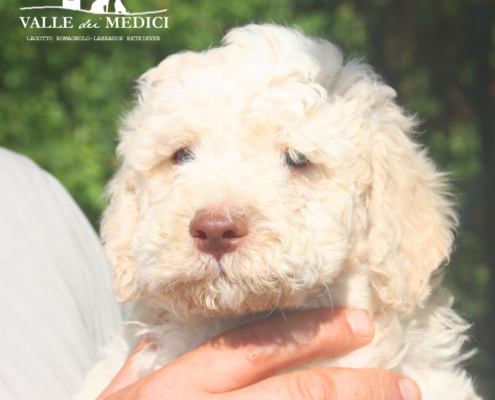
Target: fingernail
409 390
360 324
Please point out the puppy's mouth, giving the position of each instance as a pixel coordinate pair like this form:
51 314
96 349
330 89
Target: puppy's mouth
221 293
232 262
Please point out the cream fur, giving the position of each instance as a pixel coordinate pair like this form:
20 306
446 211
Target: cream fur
368 224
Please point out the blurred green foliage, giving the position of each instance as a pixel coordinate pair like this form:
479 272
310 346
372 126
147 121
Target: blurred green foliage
60 102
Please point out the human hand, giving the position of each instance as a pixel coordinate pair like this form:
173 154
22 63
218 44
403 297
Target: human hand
240 364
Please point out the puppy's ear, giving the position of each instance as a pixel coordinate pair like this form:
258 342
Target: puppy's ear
118 224
411 219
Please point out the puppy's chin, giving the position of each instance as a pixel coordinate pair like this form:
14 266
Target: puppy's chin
241 282
221 297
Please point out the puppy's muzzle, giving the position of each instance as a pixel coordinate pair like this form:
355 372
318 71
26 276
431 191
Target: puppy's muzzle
217 234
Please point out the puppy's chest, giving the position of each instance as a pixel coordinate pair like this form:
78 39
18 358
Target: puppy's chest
173 339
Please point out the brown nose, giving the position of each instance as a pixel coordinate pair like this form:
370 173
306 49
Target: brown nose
217 234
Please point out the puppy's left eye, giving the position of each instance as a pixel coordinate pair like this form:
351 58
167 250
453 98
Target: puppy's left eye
183 156
295 159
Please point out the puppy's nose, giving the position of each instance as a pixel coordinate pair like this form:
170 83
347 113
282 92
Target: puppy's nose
216 234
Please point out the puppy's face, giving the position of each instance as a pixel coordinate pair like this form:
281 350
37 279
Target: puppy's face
249 210
247 177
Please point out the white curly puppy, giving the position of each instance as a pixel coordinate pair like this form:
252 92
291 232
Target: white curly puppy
268 174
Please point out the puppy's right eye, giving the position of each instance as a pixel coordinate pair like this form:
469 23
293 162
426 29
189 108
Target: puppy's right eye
183 156
295 159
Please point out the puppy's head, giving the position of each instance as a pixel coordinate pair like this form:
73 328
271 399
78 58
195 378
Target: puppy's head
256 173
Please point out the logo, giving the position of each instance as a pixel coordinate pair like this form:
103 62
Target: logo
119 18
97 7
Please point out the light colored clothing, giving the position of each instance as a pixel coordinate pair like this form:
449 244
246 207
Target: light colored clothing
56 306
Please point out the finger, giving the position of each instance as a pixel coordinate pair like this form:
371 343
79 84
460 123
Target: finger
253 352
127 373
331 383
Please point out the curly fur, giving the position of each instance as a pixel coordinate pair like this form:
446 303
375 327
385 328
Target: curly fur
368 224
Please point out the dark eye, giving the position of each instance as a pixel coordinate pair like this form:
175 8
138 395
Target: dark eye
183 156
295 159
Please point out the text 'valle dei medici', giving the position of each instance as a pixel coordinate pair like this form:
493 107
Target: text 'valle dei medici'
109 22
